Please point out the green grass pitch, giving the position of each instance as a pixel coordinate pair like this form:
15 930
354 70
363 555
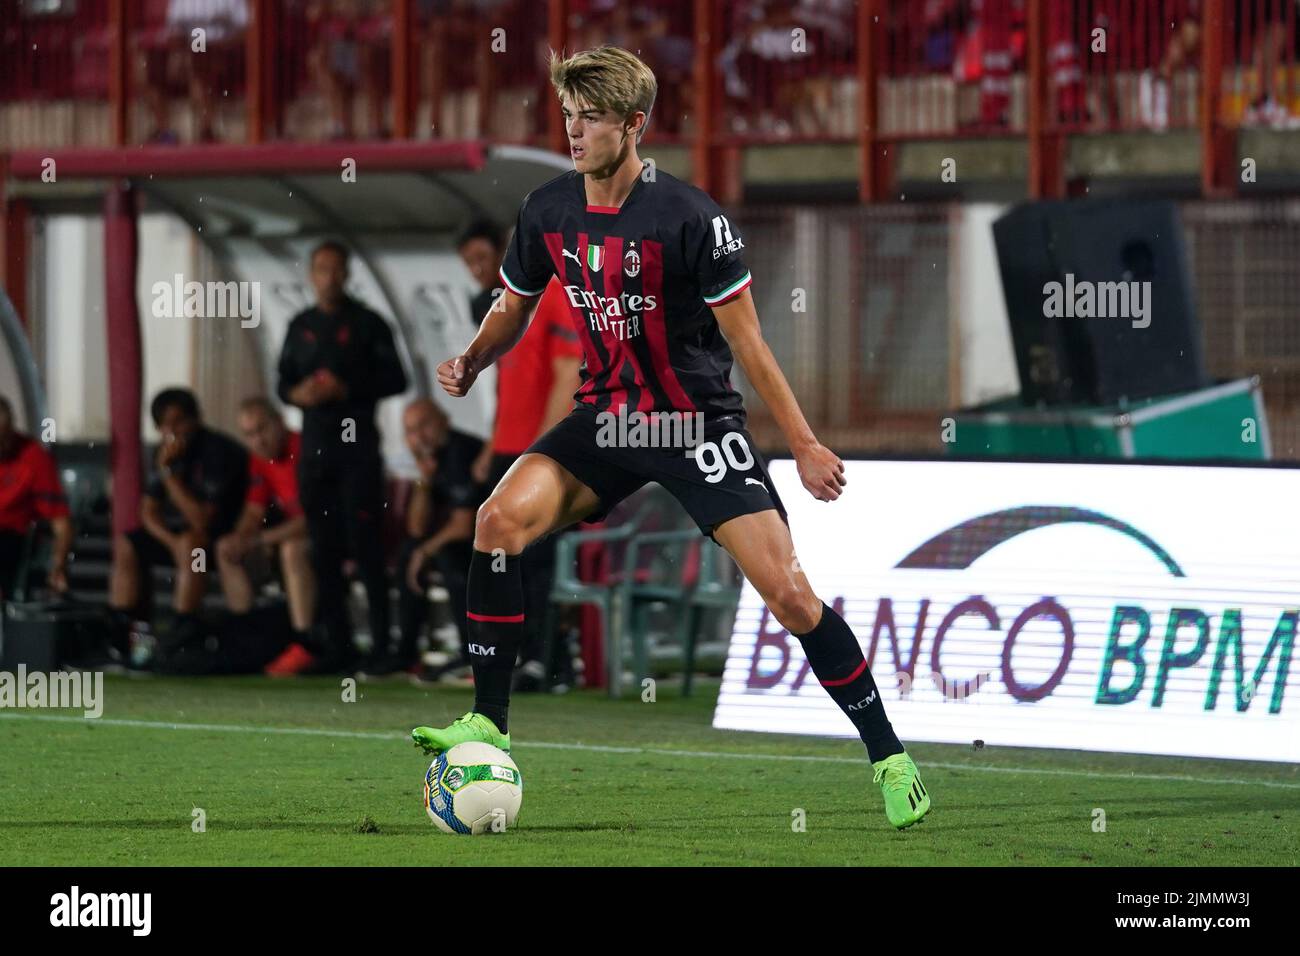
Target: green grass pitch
287 773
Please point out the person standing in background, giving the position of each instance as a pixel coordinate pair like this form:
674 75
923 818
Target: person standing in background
339 360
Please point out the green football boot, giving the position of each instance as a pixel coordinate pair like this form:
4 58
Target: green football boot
472 726
906 799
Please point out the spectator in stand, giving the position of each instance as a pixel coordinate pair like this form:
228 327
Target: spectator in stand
272 524
670 52
170 51
349 41
939 21
1273 26
758 45
338 361
439 531
193 497
776 87
536 381
986 57
1184 43
29 492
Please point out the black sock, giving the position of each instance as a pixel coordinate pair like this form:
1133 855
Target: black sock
836 659
119 635
495 612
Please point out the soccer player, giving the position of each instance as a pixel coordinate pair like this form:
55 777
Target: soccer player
658 293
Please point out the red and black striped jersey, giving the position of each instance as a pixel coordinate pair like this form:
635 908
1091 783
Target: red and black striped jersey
639 283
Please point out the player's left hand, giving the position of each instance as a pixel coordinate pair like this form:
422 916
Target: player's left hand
821 471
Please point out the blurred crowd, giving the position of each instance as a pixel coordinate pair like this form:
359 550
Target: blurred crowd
783 69
982 43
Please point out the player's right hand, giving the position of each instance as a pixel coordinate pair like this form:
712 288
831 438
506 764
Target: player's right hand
821 471
457 375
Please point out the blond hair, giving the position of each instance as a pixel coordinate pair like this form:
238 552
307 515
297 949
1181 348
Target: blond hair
607 78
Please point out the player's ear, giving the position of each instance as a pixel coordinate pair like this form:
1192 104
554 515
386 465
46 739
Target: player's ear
634 125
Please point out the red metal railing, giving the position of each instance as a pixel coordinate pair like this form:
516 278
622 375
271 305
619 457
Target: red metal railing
732 72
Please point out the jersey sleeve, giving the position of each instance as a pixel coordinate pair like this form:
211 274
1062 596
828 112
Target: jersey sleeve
713 253
259 489
527 266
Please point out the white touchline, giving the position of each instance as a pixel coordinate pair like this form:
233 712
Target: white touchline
604 748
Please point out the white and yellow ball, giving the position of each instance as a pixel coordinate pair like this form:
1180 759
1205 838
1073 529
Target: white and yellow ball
473 788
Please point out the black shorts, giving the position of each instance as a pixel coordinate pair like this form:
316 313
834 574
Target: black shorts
723 476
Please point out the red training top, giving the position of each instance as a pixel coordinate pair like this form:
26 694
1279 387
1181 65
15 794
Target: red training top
275 480
29 486
526 374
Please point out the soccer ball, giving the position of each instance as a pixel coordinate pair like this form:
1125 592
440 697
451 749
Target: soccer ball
473 788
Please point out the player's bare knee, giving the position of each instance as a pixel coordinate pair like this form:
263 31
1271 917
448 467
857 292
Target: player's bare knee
499 525
796 608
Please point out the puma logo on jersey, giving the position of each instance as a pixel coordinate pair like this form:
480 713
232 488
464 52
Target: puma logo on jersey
482 651
572 255
755 481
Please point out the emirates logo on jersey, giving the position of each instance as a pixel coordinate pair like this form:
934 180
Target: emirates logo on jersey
632 264
619 315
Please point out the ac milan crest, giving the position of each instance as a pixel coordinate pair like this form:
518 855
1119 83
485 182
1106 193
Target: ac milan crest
632 263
